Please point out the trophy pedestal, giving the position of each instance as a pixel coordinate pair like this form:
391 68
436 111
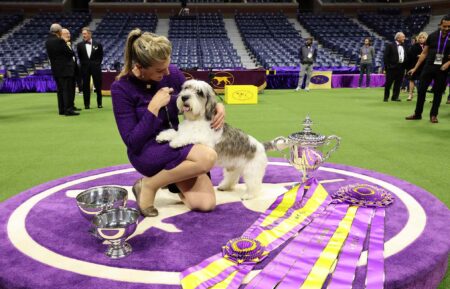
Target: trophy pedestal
118 250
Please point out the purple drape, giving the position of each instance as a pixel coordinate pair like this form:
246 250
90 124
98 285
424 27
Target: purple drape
31 83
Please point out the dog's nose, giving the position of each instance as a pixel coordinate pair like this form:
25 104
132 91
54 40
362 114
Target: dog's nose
184 98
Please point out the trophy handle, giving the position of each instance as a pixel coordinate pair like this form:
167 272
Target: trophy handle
333 149
280 143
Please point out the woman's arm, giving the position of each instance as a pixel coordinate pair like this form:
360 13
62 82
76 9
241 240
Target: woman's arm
135 133
219 118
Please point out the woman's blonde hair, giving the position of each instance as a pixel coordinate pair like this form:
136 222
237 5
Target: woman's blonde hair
145 49
424 34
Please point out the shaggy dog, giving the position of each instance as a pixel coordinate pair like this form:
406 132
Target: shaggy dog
238 153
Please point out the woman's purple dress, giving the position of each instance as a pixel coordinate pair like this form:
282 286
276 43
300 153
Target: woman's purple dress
138 127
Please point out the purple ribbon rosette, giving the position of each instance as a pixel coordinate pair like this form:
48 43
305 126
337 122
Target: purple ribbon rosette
363 195
244 250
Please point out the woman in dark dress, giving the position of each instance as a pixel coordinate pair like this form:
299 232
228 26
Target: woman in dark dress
413 55
144 104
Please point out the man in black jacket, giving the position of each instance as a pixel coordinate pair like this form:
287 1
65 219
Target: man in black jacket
394 64
65 34
61 61
90 54
436 56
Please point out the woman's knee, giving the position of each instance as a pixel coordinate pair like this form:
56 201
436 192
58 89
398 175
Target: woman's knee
205 157
203 203
203 206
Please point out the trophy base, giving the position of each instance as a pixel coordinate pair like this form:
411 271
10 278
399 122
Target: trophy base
116 252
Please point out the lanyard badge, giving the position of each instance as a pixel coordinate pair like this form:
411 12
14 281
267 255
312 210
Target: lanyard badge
439 58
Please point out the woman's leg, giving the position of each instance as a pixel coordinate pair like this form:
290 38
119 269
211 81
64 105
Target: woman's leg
199 161
198 193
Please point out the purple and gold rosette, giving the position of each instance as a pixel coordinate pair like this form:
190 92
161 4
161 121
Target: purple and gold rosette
363 195
244 251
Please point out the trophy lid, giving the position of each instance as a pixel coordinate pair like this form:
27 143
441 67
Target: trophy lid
307 137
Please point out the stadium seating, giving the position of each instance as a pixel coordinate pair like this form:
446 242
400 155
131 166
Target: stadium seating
112 32
388 22
201 41
342 36
8 21
270 37
24 50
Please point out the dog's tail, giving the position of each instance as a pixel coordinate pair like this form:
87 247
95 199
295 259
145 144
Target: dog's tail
277 144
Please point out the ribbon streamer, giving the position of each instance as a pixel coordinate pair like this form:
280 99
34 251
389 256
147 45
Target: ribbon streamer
279 223
375 259
344 274
312 238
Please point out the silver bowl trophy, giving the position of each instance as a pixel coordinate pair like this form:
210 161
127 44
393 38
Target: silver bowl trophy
307 149
99 199
115 225
96 200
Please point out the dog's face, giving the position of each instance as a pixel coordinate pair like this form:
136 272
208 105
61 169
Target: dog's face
197 100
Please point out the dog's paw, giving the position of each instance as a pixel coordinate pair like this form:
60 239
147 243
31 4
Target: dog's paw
225 186
176 143
247 196
166 135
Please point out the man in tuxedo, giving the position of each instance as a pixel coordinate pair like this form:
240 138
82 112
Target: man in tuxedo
394 64
90 54
61 61
65 34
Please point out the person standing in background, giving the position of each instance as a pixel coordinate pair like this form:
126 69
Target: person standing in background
366 54
394 64
413 55
90 54
308 55
436 55
65 34
62 64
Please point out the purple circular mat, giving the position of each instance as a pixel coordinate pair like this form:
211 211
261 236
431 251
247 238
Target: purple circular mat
44 241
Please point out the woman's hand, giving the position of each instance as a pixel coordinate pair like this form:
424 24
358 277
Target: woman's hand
412 71
219 118
160 99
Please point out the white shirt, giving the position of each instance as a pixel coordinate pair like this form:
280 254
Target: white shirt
401 52
89 48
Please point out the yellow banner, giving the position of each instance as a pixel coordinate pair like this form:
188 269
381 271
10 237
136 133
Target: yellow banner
320 80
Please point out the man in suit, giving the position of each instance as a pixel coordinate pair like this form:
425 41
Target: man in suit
394 64
61 61
65 34
90 54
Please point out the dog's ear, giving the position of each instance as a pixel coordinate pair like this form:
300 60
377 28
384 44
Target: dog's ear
210 106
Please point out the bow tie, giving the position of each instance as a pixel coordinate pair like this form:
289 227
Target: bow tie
88 42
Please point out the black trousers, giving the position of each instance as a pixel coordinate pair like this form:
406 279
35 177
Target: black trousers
96 72
66 93
431 73
395 76
367 69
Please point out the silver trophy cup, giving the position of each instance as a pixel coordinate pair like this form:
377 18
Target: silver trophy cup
99 199
307 150
115 225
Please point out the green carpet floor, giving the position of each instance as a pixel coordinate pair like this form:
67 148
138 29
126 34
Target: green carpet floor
37 145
